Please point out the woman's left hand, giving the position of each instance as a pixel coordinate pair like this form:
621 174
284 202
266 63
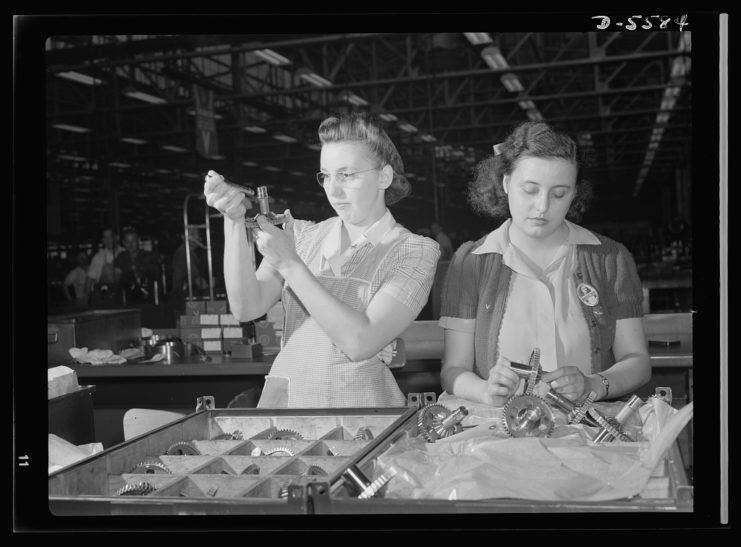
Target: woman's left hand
568 381
275 245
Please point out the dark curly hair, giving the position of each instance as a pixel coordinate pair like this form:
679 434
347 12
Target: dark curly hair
529 139
368 129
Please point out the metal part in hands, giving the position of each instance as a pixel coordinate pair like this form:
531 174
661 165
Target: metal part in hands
527 416
535 371
150 467
436 421
182 448
579 413
556 399
136 489
263 201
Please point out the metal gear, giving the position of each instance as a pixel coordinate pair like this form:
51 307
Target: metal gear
436 421
285 435
136 489
315 470
363 434
534 371
612 430
527 416
580 412
280 451
251 469
150 467
182 448
233 436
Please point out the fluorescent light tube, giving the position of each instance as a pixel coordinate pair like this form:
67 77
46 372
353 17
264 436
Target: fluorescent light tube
72 128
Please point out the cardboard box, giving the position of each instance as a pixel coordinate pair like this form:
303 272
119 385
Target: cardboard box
209 319
189 321
213 346
211 333
228 319
195 307
242 349
217 307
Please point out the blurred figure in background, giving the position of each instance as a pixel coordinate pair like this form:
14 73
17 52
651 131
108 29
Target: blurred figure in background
77 279
137 270
101 273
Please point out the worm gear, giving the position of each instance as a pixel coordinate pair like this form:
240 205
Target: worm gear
280 451
372 489
136 489
527 416
610 428
150 467
436 421
182 448
285 435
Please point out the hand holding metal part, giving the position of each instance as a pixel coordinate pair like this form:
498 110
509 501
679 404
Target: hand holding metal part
234 200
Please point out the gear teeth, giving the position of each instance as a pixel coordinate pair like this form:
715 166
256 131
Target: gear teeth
150 467
280 451
182 448
136 489
615 432
430 416
315 470
285 435
516 416
233 436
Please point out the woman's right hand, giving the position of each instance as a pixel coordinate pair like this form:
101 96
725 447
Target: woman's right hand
229 201
501 384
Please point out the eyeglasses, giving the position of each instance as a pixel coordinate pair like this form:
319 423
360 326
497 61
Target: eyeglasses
343 178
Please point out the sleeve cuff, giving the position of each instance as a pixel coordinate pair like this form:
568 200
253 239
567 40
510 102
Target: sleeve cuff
456 323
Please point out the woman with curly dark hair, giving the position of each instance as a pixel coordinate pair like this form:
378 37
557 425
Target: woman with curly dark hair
540 280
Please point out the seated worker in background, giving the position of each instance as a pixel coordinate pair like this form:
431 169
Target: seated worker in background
350 285
101 273
542 281
77 280
136 270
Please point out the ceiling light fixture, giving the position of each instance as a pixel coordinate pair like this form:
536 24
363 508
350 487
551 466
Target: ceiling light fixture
72 128
79 78
250 163
477 38
140 95
173 148
254 129
314 79
409 128
494 58
354 99
284 138
272 57
387 117
133 140
511 82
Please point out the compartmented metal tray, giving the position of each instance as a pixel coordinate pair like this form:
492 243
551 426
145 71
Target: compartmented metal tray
254 461
224 461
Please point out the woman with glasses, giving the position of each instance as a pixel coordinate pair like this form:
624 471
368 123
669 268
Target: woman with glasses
349 285
539 280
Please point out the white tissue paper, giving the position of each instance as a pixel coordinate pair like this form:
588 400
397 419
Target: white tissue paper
483 462
63 453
